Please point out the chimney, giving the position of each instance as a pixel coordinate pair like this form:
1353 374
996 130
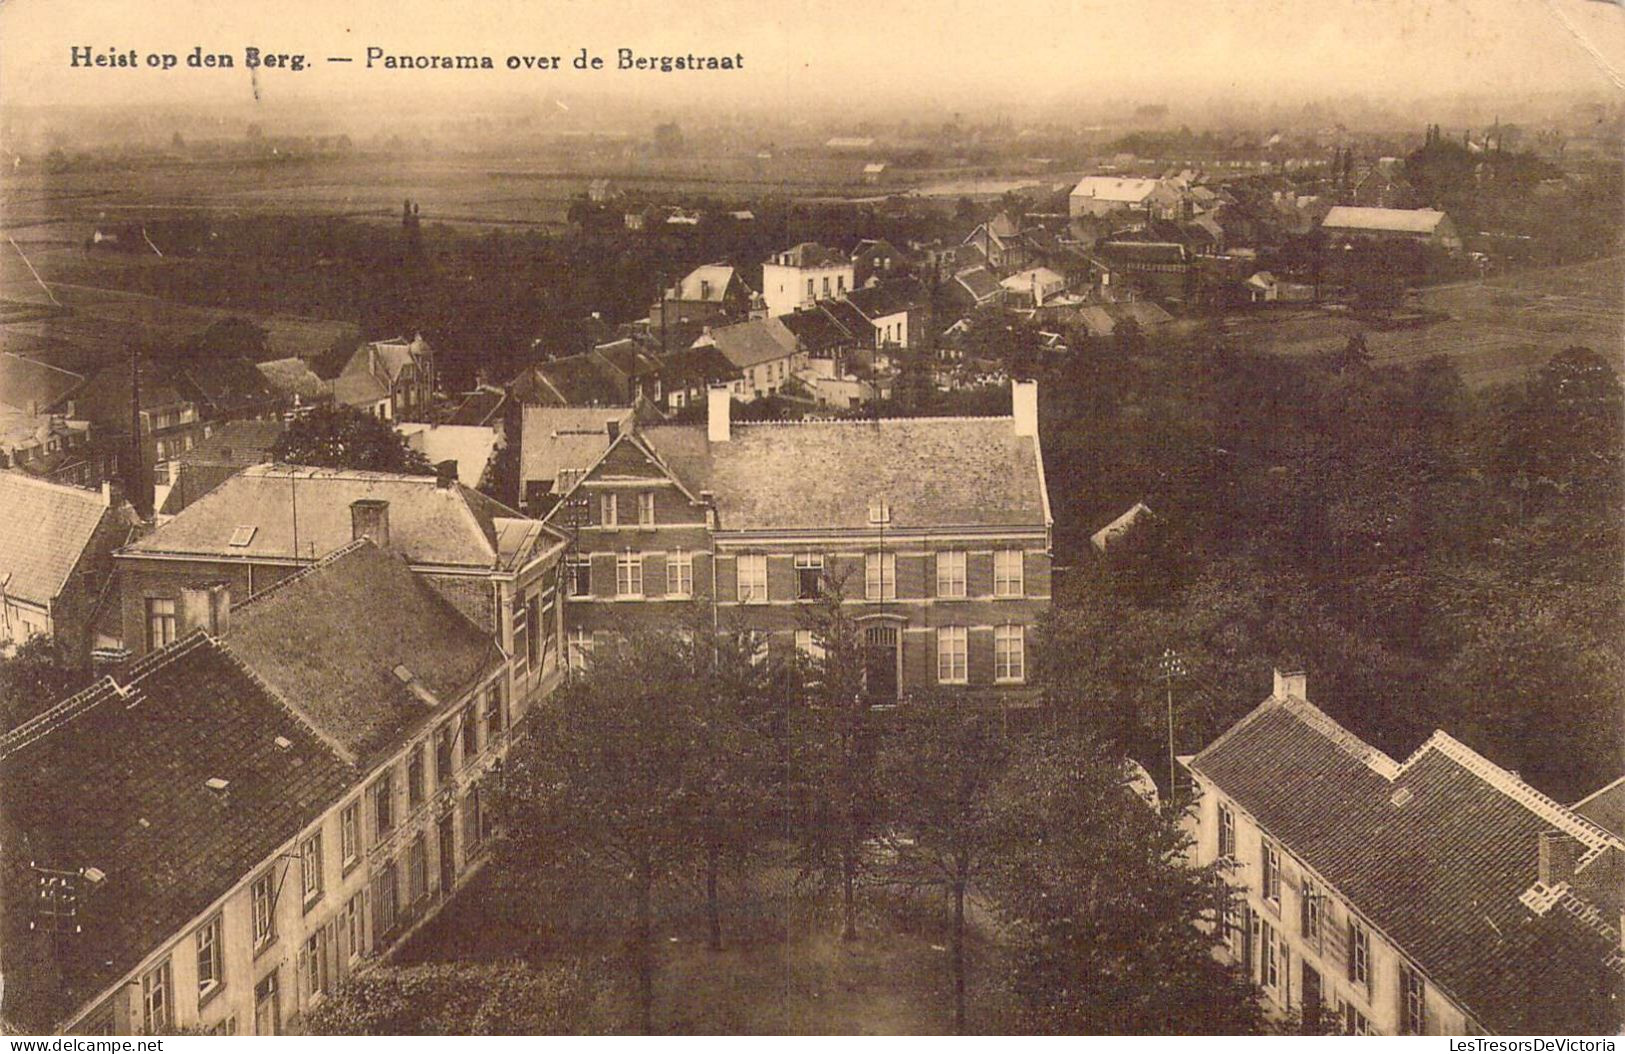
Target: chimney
1293 685
1024 406
445 474
1558 855
206 607
613 430
720 410
369 518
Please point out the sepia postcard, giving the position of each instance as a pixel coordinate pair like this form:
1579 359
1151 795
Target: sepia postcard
568 518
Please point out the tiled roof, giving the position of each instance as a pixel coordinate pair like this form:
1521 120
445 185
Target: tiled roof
979 283
625 356
33 386
240 443
556 439
479 408
708 283
1130 252
114 779
687 367
1440 874
192 482
428 523
471 446
747 344
1409 221
574 380
1606 807
293 376
44 529
329 640
226 385
850 319
933 472
1115 189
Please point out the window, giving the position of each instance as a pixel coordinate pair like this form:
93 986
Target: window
314 973
753 578
355 926
224 1027
809 288
473 833
469 723
1009 653
310 868
384 902
444 761
414 778
809 645
544 630
952 652
629 574
1309 911
383 805
1271 863
608 510
646 508
950 574
809 576
155 1013
580 569
267 1007
1359 956
1413 1001
1354 1022
579 649
210 962
242 536
350 834
879 511
494 722
1269 957
880 576
1227 832
1007 573
533 623
161 622
679 574
840 283
417 870
826 285
263 898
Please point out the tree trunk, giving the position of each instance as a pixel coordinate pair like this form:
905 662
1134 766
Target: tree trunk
849 872
959 952
645 949
713 911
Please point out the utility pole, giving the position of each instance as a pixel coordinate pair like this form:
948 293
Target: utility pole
1171 666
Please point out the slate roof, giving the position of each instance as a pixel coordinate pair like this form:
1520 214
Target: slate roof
625 356
688 367
192 482
850 319
1409 221
555 439
44 530
934 472
888 298
226 385
428 524
751 343
240 443
809 254
479 408
815 330
1155 253
33 386
329 639
1606 807
1439 875
114 778
574 380
979 283
1116 189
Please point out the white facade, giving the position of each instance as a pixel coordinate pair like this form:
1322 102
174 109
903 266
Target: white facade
788 286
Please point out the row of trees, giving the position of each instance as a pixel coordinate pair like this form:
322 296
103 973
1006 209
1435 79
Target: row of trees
686 757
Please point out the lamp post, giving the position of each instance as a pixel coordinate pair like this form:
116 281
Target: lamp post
1171 666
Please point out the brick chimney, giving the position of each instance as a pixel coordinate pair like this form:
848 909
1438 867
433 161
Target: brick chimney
369 518
1024 407
719 414
1292 685
206 607
445 473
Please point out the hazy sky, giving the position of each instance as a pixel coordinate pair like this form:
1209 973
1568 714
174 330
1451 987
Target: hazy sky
826 51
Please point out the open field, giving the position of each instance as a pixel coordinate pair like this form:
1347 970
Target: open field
1498 328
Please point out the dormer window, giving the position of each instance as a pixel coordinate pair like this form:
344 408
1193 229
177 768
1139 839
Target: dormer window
879 511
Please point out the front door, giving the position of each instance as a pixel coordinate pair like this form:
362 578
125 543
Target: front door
880 663
448 854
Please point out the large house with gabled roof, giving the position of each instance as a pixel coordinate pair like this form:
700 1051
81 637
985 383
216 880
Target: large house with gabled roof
935 530
1441 895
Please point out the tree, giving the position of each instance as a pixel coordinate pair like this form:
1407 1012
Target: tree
829 746
1572 431
939 762
1114 934
36 675
231 338
342 437
461 999
600 785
